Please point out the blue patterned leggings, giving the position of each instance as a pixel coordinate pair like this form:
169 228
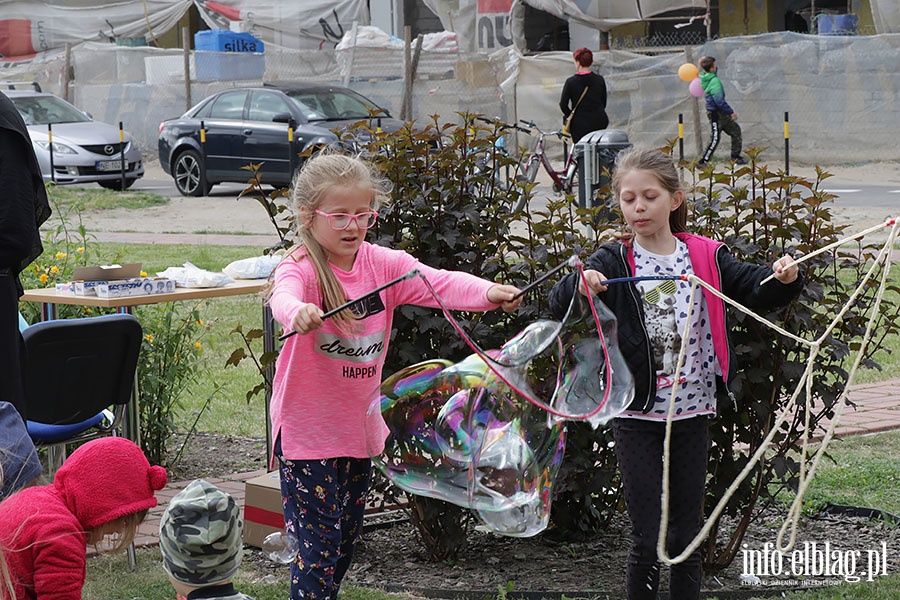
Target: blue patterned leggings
324 502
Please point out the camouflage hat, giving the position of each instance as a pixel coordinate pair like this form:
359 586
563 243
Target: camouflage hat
200 535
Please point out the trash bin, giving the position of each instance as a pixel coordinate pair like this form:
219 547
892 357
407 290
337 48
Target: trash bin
596 154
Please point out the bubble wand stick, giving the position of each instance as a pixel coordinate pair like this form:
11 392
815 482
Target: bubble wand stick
571 262
805 257
350 303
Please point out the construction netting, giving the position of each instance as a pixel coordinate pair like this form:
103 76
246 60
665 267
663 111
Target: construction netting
840 92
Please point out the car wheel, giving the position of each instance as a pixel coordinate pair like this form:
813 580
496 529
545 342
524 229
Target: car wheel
190 178
116 184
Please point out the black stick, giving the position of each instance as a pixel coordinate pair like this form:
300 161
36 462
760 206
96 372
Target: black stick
350 303
569 263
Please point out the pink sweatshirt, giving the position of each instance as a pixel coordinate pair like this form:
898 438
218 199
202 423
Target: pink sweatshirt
325 380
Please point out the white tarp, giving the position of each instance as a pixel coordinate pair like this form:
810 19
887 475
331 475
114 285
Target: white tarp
28 27
33 26
299 24
602 14
886 14
484 25
606 14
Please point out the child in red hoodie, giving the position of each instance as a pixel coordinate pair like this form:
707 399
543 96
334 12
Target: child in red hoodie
104 488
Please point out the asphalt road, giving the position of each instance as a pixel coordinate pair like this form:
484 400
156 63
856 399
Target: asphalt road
850 194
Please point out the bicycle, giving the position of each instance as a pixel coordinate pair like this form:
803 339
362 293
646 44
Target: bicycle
496 159
563 179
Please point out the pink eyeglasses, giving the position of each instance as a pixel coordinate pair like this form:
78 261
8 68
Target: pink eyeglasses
341 221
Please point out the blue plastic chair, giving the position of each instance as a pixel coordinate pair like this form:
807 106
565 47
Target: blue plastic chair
78 376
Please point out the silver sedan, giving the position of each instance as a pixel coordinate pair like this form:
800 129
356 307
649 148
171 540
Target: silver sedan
82 150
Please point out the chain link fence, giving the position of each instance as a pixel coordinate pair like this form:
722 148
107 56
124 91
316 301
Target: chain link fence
840 91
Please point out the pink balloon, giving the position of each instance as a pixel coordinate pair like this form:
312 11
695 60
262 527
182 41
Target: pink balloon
695 88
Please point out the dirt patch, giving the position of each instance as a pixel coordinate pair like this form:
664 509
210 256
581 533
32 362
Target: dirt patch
390 555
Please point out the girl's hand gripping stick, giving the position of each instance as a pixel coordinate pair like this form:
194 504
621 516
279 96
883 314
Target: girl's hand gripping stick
571 262
350 303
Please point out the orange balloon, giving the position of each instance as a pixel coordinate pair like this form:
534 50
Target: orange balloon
688 72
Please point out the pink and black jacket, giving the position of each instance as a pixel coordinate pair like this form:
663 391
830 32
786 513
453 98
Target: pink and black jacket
713 264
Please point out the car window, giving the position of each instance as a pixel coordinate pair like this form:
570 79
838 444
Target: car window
348 106
264 106
203 111
310 106
229 105
325 104
40 110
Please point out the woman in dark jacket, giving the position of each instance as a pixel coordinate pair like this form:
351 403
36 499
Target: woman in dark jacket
590 88
23 207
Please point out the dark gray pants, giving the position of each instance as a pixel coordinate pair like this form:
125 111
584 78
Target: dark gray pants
719 123
639 448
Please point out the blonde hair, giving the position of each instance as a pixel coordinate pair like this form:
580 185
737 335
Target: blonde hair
6 584
321 173
103 540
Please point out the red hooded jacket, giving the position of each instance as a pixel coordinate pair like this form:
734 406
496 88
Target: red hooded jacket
43 530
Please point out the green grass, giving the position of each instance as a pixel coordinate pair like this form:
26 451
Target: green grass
888 357
110 578
229 411
103 199
864 471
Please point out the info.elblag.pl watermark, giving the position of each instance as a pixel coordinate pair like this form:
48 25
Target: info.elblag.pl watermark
812 563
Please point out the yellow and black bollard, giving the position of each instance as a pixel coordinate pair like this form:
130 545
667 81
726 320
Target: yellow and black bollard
50 145
122 153
787 146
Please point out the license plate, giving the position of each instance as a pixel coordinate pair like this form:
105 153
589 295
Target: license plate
109 165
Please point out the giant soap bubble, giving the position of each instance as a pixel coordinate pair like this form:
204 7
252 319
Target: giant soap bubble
488 432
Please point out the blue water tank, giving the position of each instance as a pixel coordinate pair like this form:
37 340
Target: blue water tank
223 40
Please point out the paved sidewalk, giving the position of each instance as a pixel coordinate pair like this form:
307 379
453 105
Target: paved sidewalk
877 409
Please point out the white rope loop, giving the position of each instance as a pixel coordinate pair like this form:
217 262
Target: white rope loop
792 519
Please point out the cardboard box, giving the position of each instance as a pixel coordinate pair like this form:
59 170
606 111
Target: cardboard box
86 279
139 286
107 272
263 513
87 288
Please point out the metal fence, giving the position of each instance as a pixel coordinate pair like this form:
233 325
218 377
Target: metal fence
840 91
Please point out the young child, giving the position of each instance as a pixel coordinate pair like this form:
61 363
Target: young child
104 487
721 116
328 374
200 541
651 316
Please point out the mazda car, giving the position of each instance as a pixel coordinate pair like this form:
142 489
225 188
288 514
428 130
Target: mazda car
83 150
253 125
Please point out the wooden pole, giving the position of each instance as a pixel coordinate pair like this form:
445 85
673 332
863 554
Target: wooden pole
695 106
67 67
414 68
406 105
186 46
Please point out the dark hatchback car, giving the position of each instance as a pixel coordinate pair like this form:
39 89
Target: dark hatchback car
251 125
